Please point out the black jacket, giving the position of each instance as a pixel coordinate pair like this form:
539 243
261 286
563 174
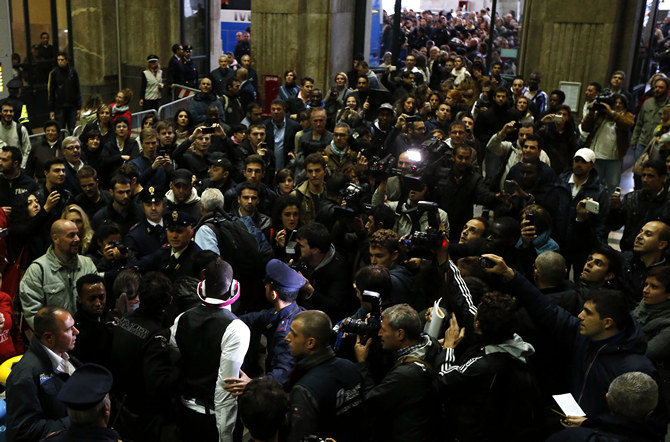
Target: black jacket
33 411
638 208
457 197
64 90
405 404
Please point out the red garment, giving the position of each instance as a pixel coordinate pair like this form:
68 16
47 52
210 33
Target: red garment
11 343
126 114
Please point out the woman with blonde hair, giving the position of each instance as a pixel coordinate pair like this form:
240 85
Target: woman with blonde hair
341 82
77 215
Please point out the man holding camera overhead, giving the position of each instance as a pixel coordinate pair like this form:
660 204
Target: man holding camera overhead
587 191
411 382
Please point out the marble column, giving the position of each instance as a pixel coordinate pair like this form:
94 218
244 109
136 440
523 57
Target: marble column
574 40
314 37
146 27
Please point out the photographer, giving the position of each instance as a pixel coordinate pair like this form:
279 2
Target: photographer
154 164
111 253
584 182
52 193
411 382
415 217
609 124
409 131
391 187
326 213
192 153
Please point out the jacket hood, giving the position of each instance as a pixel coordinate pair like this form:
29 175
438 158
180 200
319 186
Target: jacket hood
326 260
193 198
515 347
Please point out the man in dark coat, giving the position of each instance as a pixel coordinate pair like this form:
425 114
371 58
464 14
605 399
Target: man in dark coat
33 408
144 375
410 382
604 340
317 378
175 259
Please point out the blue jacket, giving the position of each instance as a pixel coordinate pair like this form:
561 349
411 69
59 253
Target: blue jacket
594 364
275 326
198 107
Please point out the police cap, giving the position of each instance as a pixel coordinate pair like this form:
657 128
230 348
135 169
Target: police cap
87 386
283 276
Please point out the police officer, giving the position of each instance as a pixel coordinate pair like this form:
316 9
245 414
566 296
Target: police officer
189 71
175 259
281 288
86 394
144 376
149 234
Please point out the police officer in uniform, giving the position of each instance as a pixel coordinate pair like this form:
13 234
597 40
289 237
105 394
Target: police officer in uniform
86 394
149 234
174 259
189 71
281 288
144 375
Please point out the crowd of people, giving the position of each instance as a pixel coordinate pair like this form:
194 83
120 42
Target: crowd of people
288 273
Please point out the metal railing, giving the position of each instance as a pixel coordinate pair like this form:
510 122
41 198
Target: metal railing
178 88
169 110
136 120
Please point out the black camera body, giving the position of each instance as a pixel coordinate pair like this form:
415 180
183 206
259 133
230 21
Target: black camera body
429 240
299 266
122 248
601 98
382 167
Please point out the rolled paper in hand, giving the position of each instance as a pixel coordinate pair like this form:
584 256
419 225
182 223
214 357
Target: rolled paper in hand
433 326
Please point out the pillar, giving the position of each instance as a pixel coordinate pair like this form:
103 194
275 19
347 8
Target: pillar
314 37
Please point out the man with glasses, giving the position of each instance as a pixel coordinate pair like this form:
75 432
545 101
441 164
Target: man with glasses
73 162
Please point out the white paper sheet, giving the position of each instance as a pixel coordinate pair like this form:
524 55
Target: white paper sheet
568 405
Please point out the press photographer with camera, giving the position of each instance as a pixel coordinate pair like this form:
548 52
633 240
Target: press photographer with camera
111 252
410 383
415 217
409 131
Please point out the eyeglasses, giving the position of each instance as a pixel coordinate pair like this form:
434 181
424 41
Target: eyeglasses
72 147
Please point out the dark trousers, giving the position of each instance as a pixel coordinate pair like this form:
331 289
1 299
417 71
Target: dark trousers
150 104
66 116
197 427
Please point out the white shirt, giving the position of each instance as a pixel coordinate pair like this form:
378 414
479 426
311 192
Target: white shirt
574 187
234 346
60 365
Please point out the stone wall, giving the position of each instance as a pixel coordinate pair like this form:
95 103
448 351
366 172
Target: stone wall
146 27
313 37
573 40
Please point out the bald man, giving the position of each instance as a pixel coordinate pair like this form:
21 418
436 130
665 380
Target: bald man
51 278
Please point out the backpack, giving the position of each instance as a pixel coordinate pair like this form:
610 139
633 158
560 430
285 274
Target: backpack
239 245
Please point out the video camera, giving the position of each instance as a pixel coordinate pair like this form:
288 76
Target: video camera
601 98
